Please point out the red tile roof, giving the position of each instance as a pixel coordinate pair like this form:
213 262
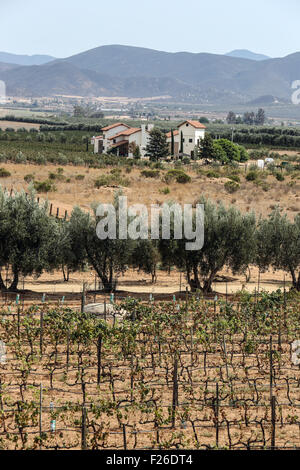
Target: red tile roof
195 124
112 126
174 133
130 131
118 144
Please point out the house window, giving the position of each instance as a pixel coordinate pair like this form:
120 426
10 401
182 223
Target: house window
190 141
187 125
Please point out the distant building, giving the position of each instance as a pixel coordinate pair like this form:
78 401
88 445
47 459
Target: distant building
176 141
122 139
192 133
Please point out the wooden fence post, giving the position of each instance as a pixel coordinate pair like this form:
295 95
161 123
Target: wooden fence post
83 429
41 331
40 417
83 298
51 207
68 348
99 348
175 390
18 323
186 298
273 419
217 414
271 368
124 437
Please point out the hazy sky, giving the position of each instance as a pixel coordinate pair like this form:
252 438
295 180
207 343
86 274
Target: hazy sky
65 27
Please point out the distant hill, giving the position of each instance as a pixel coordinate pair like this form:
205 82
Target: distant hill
24 59
126 61
4 67
245 54
265 100
138 72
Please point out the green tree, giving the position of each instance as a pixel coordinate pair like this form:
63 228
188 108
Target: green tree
137 152
71 256
207 147
157 147
231 118
229 241
27 237
145 257
260 117
204 120
172 143
181 142
227 151
107 257
278 245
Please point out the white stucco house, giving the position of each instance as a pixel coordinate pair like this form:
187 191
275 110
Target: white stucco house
190 133
122 139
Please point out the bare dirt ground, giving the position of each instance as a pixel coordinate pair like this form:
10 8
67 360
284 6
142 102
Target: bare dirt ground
17 125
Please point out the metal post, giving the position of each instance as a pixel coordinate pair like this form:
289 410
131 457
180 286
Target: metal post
40 417
83 429
217 415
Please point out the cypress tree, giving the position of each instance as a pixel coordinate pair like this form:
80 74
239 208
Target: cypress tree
172 143
157 147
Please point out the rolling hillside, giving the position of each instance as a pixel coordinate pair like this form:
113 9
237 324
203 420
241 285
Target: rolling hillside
137 72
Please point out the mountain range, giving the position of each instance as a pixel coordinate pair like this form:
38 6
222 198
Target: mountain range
245 54
117 70
18 59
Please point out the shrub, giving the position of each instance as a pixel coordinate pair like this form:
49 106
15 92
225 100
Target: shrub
183 179
4 173
150 173
44 186
235 178
231 186
56 176
20 158
178 175
79 177
111 180
252 175
279 177
29 178
213 174
165 191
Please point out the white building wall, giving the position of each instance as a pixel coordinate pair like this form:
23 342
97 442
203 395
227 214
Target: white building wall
191 136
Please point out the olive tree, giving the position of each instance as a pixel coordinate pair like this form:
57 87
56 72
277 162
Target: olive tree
70 255
229 241
145 257
278 245
27 237
108 257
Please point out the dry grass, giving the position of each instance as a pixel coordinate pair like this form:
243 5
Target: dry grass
149 190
